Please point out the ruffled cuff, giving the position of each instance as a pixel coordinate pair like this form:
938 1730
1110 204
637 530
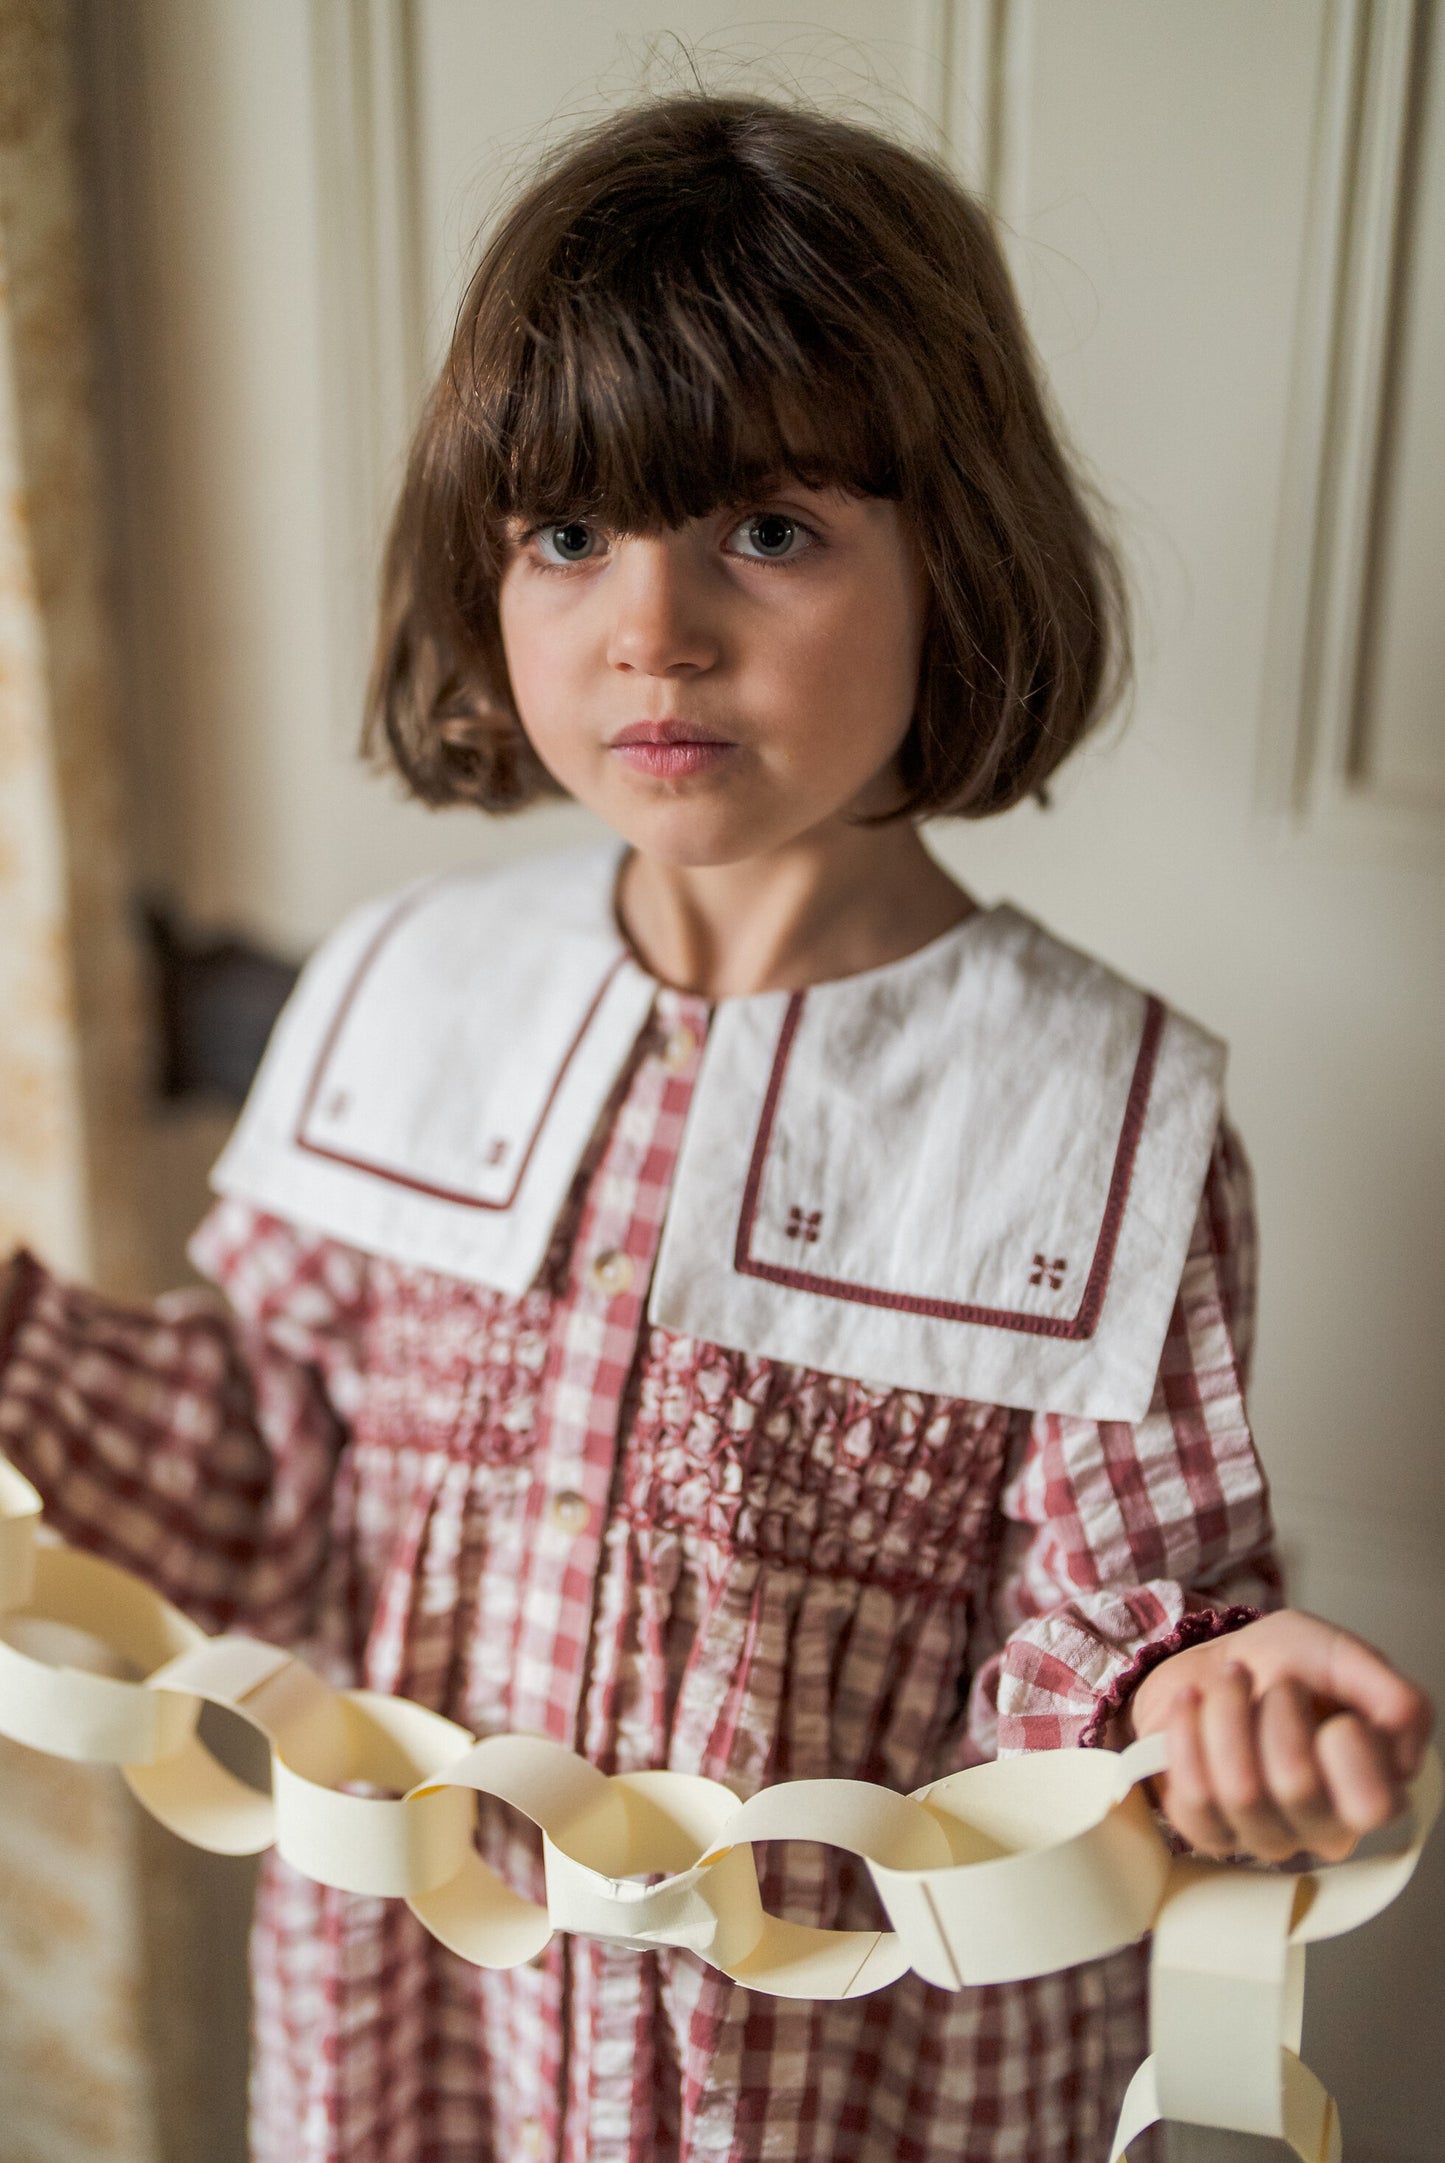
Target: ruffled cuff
1196 1628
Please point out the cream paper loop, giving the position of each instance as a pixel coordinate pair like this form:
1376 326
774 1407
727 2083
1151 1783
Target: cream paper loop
599 1835
321 1740
190 1792
707 1903
1226 1988
1052 1859
1222 1969
475 1912
404 1846
1311 2121
887 1832
98 1719
1005 1870
1342 1896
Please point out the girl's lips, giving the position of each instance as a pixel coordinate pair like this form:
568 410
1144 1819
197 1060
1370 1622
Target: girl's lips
670 761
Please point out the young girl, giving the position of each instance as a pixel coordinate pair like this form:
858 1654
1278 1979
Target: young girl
726 1299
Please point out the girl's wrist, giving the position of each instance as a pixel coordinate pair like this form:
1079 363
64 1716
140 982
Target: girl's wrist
1116 1722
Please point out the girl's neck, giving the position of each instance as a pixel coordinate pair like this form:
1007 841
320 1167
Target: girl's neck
820 909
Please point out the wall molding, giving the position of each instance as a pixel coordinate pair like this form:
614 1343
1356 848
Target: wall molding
1312 776
984 54
373 305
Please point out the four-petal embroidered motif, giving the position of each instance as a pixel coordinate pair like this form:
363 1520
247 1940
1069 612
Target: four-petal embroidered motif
1048 1272
804 1224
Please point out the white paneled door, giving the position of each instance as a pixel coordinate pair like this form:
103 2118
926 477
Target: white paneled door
1228 226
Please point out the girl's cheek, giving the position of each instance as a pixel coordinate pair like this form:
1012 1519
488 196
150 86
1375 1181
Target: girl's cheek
533 660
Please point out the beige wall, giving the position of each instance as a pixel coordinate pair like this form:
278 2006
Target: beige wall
293 190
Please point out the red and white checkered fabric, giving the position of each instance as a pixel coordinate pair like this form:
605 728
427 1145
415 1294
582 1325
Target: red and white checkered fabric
539 1513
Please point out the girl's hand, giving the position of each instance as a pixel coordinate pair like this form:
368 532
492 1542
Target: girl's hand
1286 1735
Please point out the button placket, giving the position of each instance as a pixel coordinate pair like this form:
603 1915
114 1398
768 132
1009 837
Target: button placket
598 1322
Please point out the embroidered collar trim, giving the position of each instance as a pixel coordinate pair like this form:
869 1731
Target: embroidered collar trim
972 1172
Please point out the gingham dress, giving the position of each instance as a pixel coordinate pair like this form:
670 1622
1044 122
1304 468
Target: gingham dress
771 1574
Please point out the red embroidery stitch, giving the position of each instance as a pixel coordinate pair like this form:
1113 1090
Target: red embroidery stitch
804 1224
392 1174
1081 1326
338 1104
496 1152
1049 1272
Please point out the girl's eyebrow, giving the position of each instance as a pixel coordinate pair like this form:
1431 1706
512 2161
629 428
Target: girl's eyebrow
521 525
778 484
785 484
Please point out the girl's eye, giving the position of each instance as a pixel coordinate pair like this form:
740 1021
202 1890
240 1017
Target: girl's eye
569 543
771 537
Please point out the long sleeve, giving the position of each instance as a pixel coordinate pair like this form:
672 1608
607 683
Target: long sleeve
1120 1543
193 1441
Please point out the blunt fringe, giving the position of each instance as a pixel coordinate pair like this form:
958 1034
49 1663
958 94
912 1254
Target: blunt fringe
694 297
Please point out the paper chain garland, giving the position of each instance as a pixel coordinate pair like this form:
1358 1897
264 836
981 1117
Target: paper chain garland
1004 1871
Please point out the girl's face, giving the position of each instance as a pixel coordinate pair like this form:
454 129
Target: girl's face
721 689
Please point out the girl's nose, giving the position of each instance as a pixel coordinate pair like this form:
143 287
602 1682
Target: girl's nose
660 620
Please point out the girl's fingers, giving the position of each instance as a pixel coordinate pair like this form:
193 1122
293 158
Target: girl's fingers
1187 1797
1237 1779
1359 1766
1287 1731
1265 1780
1317 1758
1363 1680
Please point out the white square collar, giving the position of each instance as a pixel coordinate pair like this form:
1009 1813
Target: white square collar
972 1172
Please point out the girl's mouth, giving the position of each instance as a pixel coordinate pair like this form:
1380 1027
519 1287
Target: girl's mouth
669 749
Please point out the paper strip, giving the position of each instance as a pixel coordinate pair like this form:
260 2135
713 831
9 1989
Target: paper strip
1007 1870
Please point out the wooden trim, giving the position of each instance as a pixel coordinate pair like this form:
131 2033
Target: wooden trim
1336 449
983 66
372 299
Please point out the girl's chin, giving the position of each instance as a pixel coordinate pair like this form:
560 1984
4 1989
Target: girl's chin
708 835
693 830
683 851
692 827
705 838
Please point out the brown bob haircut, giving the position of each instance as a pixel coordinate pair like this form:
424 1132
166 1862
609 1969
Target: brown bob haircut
695 298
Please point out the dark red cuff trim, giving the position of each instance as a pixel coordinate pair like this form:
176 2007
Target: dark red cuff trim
1192 1629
